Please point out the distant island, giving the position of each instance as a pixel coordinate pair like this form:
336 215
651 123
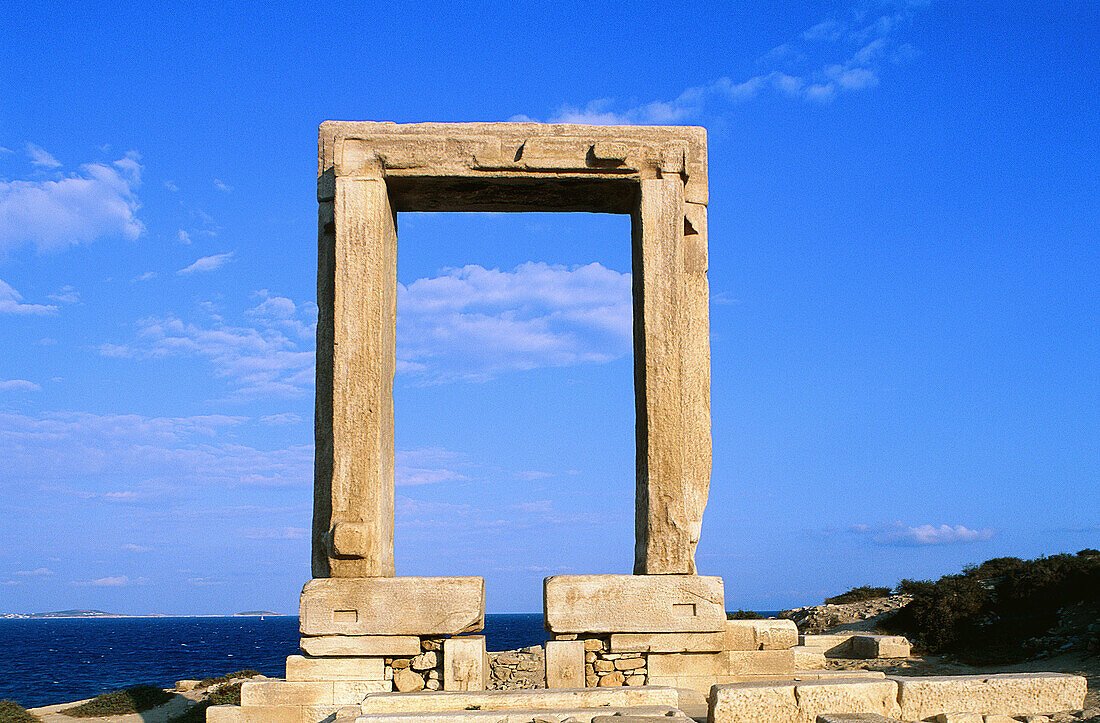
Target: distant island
102 614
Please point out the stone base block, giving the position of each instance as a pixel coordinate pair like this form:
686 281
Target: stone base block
490 700
833 645
855 718
801 702
1006 694
703 684
879 646
465 663
668 642
309 693
749 662
565 664
361 646
613 714
633 604
808 658
279 714
302 668
413 606
761 634
681 665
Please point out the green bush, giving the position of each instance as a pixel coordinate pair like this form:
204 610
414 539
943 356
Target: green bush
988 612
137 699
207 682
744 615
12 712
226 695
858 594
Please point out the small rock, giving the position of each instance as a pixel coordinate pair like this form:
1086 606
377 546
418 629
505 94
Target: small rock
433 685
424 661
612 680
406 681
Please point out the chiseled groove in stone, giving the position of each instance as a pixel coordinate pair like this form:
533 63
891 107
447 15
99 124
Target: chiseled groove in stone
368 606
633 604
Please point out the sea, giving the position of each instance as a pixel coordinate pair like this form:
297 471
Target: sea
44 661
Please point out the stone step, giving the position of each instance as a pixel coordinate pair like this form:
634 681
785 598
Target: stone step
857 645
540 699
801 702
630 714
1005 694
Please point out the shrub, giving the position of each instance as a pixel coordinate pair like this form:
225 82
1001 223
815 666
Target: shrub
858 594
12 712
207 682
989 612
226 695
744 615
137 699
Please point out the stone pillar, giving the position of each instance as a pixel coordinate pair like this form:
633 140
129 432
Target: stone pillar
671 377
353 513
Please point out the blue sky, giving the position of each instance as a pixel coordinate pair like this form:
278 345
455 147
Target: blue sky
904 263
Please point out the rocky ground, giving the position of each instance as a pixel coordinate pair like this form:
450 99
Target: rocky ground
1058 652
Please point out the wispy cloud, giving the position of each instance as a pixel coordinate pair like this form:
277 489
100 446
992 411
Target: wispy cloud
128 458
474 323
18 385
38 572
275 533
100 201
65 295
130 547
428 466
274 420
207 263
270 355
117 581
40 157
839 55
902 535
222 186
11 302
183 237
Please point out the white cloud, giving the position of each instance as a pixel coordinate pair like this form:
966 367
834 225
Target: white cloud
65 295
207 263
221 186
272 357
273 420
118 581
280 533
11 302
39 572
18 385
146 276
130 547
922 535
171 186
40 157
183 237
427 466
125 458
53 214
832 57
474 323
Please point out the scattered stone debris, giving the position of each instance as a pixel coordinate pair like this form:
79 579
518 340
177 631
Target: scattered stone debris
523 669
864 615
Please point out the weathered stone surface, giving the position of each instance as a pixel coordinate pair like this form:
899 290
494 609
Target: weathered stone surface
407 680
367 606
836 645
301 668
1007 693
356 345
688 664
255 714
350 646
760 635
282 693
855 718
667 642
345 692
565 664
633 604
879 646
959 718
465 663
754 703
788 702
743 662
618 714
847 696
808 658
520 700
424 661
614 679
672 391
369 171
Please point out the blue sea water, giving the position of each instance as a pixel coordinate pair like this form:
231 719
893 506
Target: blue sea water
48 661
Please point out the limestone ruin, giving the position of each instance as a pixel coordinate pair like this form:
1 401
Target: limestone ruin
648 645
